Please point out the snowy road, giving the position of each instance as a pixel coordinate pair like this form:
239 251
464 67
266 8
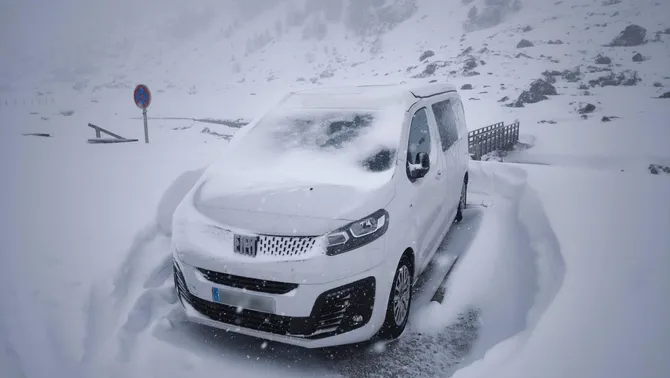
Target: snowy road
147 310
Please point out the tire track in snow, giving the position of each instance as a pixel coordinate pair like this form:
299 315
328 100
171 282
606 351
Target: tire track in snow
150 297
140 287
128 272
146 309
414 354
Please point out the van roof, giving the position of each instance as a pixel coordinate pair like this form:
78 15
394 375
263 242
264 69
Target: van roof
364 96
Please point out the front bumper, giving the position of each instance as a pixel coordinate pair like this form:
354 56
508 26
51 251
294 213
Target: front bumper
345 311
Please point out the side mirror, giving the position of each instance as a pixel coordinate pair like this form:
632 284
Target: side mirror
421 166
423 159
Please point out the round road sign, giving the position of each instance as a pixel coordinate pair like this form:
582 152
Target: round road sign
142 96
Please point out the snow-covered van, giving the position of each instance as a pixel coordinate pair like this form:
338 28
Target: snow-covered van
321 214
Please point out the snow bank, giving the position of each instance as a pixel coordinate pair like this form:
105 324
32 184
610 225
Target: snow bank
609 316
74 210
511 275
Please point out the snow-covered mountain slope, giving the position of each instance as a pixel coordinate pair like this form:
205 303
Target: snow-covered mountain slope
208 47
208 60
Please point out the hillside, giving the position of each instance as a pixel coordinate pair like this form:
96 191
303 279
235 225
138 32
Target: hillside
211 61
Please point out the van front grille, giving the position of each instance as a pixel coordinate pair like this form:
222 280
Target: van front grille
285 246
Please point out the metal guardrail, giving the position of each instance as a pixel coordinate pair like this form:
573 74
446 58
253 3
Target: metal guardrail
491 138
115 138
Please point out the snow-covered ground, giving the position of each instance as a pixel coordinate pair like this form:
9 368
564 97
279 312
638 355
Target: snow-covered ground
557 277
565 246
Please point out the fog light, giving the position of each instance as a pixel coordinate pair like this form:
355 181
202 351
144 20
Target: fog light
357 318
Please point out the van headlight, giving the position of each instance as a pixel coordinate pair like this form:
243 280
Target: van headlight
357 234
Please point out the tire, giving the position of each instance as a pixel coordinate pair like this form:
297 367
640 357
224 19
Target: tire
463 201
400 300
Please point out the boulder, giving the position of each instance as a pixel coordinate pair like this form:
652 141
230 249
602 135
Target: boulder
588 108
632 35
470 64
430 69
639 58
466 51
572 76
601 59
426 54
524 43
539 90
655 169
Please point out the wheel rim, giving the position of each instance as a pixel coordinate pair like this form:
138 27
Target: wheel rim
401 293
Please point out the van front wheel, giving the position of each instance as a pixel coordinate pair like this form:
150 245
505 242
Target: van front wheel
400 299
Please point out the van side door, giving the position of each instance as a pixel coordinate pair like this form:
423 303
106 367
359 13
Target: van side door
448 130
425 193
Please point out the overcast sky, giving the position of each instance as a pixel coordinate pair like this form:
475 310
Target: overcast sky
33 31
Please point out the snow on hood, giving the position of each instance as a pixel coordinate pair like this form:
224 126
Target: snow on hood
310 162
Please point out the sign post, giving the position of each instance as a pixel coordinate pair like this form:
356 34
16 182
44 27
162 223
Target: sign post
142 97
146 126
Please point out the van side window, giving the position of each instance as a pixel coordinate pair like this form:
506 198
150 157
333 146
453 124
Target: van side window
419 135
446 123
460 116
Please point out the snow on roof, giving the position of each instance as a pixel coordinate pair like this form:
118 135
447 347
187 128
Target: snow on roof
364 96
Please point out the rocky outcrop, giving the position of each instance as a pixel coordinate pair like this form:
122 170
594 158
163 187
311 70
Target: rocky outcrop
624 78
539 90
601 59
426 54
586 109
632 35
639 58
524 43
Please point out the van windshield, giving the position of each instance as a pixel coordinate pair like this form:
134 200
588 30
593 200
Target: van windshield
359 138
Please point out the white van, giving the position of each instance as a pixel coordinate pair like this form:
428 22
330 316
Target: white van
321 214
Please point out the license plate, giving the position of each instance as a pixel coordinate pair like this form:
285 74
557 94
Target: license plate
246 245
243 301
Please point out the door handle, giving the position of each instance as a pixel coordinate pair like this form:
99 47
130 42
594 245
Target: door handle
438 175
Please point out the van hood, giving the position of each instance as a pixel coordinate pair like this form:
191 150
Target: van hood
288 209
